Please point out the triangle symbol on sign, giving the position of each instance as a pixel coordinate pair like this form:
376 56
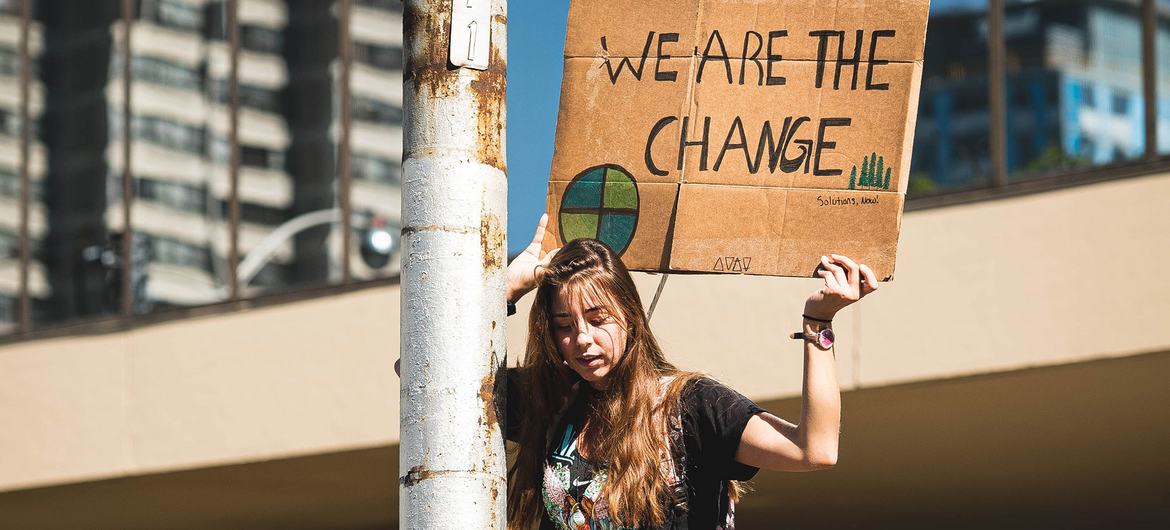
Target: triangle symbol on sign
719 264
738 267
747 262
730 262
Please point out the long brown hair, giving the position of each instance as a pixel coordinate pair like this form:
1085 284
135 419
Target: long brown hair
627 426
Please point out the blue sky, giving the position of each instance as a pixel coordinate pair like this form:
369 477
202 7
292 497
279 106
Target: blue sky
536 42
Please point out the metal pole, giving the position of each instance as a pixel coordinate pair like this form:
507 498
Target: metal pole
345 54
25 322
997 91
454 198
127 269
233 42
1149 13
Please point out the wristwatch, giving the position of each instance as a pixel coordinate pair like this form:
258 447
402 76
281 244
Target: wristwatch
822 338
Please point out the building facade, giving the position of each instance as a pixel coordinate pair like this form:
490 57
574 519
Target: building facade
176 116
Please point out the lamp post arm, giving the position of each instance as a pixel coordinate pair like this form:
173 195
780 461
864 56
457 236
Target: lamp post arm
259 255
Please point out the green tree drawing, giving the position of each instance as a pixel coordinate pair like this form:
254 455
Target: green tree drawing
874 174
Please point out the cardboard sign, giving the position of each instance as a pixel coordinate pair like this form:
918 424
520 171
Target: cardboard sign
737 136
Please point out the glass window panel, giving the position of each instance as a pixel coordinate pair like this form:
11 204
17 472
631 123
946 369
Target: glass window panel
10 161
376 138
952 138
1074 85
1163 72
177 220
76 218
289 223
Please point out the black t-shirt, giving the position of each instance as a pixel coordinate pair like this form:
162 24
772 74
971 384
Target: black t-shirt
713 418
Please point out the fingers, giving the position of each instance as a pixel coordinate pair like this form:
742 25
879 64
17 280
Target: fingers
538 238
871 282
830 280
838 272
854 276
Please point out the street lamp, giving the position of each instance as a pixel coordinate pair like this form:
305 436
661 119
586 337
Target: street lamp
377 242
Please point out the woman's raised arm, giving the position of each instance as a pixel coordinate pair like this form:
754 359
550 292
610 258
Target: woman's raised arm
772 443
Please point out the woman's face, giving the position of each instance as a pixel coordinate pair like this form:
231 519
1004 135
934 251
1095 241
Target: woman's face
589 338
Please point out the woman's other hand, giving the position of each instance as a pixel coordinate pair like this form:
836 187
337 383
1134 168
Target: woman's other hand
525 271
845 282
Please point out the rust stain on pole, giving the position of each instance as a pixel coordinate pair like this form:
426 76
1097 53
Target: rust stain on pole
491 241
427 69
420 473
489 88
487 394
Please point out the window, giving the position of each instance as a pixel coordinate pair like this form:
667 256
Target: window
175 195
385 5
9 62
167 133
260 39
1069 97
171 14
374 111
376 169
1120 103
383 57
260 157
952 140
174 252
10 185
9 124
9 246
250 96
154 70
1088 96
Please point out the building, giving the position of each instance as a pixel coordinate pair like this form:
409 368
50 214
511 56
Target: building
179 128
1013 375
1073 90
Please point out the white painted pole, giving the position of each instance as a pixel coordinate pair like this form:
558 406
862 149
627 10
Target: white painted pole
454 207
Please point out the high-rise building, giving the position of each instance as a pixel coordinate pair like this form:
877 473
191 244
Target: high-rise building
289 122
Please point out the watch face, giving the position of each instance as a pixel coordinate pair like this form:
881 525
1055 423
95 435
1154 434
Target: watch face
826 338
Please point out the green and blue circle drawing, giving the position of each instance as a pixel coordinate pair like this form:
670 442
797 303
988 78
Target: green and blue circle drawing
601 203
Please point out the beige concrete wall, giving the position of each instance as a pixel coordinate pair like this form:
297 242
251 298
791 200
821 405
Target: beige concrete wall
1052 278
294 379
1055 277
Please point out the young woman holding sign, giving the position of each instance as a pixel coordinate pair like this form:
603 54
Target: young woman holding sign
611 435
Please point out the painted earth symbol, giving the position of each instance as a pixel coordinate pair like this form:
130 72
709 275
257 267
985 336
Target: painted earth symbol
601 203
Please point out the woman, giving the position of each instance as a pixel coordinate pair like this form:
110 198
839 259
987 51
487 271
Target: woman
611 435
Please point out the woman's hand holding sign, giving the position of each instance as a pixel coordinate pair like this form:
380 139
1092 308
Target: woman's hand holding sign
846 282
